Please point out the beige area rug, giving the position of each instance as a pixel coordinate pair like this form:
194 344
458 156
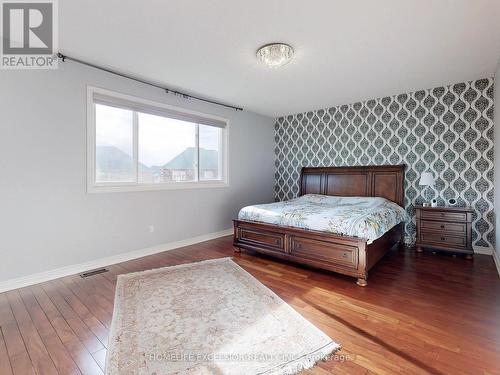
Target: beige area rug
209 317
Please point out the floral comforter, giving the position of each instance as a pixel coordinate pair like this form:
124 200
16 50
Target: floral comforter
364 217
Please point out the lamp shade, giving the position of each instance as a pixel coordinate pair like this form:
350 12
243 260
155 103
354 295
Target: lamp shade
426 179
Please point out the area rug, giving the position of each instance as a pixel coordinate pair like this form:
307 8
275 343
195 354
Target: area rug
209 317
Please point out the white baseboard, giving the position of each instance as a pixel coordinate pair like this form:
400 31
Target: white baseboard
489 251
496 258
57 273
484 250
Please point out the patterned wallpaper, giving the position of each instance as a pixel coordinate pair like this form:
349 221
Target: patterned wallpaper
445 130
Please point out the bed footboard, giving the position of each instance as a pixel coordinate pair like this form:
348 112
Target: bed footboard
346 255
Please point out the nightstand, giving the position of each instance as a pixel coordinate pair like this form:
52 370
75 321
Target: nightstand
445 228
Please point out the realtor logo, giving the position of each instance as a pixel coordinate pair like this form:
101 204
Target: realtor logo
29 38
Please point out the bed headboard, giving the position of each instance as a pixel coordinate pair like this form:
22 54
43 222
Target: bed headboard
385 181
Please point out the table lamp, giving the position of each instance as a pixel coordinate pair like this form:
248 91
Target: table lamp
427 179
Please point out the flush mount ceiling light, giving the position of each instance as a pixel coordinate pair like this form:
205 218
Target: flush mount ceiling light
275 55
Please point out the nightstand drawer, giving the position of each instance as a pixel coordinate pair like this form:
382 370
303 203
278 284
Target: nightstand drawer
442 239
442 215
444 226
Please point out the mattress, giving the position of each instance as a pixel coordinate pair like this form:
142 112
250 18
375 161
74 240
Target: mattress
364 217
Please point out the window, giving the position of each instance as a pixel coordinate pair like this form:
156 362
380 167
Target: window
134 144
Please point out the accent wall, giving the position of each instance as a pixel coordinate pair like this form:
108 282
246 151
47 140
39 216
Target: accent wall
445 130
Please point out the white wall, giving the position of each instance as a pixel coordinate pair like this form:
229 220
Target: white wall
497 158
47 220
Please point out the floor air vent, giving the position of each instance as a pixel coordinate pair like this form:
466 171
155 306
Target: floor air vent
93 272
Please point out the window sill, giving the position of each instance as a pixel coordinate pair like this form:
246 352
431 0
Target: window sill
173 186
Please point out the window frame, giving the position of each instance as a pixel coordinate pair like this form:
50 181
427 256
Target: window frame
108 187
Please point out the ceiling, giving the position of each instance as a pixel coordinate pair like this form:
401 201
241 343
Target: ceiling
346 50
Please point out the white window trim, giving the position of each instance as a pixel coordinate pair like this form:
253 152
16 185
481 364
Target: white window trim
94 187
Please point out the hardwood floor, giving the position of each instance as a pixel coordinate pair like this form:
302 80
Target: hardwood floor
421 313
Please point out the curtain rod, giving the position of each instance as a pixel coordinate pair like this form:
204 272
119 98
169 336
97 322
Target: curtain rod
166 89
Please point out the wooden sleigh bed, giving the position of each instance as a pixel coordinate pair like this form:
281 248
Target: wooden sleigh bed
346 255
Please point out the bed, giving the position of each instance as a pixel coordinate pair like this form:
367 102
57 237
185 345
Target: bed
302 230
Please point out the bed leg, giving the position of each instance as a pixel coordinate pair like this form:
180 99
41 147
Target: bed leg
362 281
237 249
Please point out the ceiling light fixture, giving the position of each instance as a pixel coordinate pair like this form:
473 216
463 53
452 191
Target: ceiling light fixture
275 55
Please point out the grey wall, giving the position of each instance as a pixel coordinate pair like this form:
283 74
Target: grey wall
446 130
47 220
497 157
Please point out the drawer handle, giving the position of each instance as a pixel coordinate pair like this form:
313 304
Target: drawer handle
442 213
442 226
277 241
442 238
344 255
299 246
